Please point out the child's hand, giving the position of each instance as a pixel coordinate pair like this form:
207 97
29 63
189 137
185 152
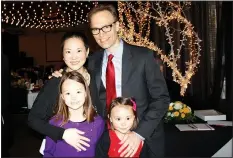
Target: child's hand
132 142
56 74
74 138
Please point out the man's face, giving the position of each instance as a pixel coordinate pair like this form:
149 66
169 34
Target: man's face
105 19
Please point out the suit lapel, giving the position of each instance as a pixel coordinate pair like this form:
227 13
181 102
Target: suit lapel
126 64
98 66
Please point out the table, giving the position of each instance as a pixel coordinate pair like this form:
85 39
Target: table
31 98
225 151
195 143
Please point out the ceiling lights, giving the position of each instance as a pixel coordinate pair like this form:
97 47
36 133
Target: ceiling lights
46 15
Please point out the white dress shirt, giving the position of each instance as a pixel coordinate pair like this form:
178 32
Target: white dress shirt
117 62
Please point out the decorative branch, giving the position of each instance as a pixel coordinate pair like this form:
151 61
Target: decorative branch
140 15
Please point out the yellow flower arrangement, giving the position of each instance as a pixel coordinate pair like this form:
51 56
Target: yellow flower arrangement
178 111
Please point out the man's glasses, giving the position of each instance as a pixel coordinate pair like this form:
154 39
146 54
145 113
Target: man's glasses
107 28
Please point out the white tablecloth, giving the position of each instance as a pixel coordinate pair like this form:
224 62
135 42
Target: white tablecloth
31 98
42 147
225 151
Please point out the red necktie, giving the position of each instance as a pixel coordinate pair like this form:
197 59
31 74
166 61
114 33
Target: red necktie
110 82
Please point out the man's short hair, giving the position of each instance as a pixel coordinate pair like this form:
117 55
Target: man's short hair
103 7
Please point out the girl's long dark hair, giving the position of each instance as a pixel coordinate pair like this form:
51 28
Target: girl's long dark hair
62 111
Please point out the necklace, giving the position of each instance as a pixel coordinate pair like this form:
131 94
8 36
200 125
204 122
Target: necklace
86 76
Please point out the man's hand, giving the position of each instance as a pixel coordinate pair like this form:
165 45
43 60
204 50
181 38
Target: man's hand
74 137
132 142
56 74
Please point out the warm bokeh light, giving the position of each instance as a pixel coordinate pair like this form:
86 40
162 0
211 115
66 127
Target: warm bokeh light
46 14
135 29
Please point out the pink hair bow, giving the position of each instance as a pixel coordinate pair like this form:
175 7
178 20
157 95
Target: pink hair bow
134 105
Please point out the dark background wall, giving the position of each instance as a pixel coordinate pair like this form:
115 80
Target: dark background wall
10 47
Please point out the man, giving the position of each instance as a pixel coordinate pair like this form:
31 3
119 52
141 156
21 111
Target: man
130 71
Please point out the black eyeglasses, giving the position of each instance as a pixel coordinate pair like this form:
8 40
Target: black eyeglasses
107 28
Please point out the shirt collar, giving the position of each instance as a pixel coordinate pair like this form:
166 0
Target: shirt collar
118 53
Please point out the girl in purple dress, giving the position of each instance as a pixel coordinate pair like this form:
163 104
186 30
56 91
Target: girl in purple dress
75 110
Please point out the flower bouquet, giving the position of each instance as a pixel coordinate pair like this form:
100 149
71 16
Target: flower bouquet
179 112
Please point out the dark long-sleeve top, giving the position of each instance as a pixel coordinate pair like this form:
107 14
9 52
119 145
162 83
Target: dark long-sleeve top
43 107
42 110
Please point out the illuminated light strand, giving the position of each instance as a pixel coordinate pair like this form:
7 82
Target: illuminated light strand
27 16
143 16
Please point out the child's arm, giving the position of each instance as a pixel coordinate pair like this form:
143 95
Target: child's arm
50 147
42 111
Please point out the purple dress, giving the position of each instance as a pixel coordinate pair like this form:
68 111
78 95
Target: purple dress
92 130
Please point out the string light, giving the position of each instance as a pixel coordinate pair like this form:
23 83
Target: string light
135 29
46 15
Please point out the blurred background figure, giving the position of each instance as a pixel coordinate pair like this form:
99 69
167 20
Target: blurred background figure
7 136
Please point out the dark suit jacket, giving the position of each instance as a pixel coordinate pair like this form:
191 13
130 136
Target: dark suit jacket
141 79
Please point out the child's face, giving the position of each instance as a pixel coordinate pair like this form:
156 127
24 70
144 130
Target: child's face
74 94
122 118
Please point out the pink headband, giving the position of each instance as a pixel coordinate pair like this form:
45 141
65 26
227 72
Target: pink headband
134 105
